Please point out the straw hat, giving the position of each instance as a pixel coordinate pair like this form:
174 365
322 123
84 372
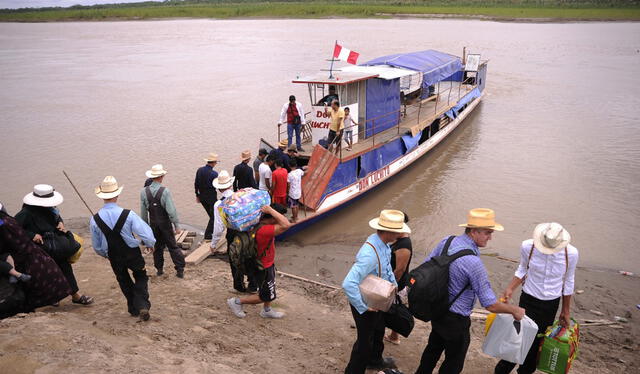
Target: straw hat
246 155
223 181
292 148
109 188
43 195
550 238
390 220
482 218
212 157
156 171
283 143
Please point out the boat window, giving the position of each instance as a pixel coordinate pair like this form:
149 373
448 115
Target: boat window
358 167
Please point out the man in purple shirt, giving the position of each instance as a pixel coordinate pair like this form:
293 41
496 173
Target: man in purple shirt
467 277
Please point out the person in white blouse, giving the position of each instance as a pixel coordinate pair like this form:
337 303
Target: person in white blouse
547 273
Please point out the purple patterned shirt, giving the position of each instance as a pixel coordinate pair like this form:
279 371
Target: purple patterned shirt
467 270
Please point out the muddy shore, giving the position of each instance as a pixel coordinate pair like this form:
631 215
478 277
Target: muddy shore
192 331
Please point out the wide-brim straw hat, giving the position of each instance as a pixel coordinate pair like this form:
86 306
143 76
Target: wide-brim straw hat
156 171
283 143
109 188
211 157
390 220
246 155
550 238
482 218
223 181
43 195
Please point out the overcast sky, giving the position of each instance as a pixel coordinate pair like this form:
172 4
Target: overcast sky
61 3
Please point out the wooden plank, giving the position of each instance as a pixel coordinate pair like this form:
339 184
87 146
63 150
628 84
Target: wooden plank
202 252
315 181
180 237
307 280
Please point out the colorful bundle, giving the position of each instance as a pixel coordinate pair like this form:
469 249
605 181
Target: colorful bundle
558 348
242 210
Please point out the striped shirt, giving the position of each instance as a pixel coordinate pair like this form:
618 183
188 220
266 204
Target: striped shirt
467 270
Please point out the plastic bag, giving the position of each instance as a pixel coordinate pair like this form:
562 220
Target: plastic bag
242 210
510 340
558 348
76 256
377 293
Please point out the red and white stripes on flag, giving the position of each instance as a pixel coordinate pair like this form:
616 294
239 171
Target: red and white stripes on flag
341 53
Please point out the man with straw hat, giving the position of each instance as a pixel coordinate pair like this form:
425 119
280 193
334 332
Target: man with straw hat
468 279
280 153
547 272
205 193
112 236
374 257
223 184
243 173
158 210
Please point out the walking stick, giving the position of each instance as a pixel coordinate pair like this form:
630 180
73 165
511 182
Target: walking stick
77 192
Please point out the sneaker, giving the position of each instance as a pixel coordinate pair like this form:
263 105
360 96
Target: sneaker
24 277
271 314
144 315
300 149
236 308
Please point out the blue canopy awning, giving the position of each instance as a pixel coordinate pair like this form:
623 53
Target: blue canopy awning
435 66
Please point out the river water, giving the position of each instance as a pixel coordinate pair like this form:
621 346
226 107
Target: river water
557 136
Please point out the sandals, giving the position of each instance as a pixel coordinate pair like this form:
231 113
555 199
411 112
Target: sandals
84 300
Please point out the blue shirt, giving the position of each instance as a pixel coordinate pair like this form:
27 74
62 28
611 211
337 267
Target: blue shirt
367 263
110 213
467 270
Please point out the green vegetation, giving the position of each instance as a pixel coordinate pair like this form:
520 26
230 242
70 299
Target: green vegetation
498 9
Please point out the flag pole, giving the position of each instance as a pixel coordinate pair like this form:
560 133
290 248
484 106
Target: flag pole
332 59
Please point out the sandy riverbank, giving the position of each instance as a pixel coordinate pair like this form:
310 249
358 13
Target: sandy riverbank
192 331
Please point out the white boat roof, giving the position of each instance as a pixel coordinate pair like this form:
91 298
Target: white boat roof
382 71
340 77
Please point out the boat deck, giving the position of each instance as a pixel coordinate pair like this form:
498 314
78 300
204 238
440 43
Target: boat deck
418 114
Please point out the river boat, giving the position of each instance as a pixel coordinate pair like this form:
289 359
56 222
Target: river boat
405 105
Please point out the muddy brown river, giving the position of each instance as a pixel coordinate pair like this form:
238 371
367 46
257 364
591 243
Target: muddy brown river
557 136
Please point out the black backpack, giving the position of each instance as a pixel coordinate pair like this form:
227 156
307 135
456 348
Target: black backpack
429 285
243 251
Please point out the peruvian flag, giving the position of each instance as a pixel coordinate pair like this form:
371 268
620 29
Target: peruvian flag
341 53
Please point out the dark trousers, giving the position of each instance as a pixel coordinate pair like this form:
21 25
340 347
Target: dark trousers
334 139
369 343
165 237
208 207
451 335
543 313
67 271
135 290
236 274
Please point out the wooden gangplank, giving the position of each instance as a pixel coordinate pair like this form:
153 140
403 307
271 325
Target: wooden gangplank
315 181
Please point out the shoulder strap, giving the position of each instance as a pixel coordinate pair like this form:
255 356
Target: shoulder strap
566 269
453 257
528 261
147 191
445 250
103 226
121 220
379 265
160 192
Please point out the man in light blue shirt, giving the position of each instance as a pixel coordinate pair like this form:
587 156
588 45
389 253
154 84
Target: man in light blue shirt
374 258
112 230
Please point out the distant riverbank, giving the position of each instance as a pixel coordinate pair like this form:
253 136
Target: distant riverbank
499 11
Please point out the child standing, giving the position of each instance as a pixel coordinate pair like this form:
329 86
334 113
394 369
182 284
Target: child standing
295 188
349 125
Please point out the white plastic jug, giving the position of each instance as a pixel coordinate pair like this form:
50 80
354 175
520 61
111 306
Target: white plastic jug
509 339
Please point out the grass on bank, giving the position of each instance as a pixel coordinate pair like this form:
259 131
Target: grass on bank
314 10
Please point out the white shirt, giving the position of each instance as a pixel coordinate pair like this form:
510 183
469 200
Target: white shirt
265 173
285 107
349 124
295 183
218 225
546 272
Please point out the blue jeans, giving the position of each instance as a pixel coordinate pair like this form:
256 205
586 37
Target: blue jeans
290 129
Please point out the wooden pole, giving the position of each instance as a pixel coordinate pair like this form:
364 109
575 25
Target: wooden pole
77 192
307 280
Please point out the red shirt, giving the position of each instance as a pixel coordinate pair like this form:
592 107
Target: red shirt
265 240
279 181
292 112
